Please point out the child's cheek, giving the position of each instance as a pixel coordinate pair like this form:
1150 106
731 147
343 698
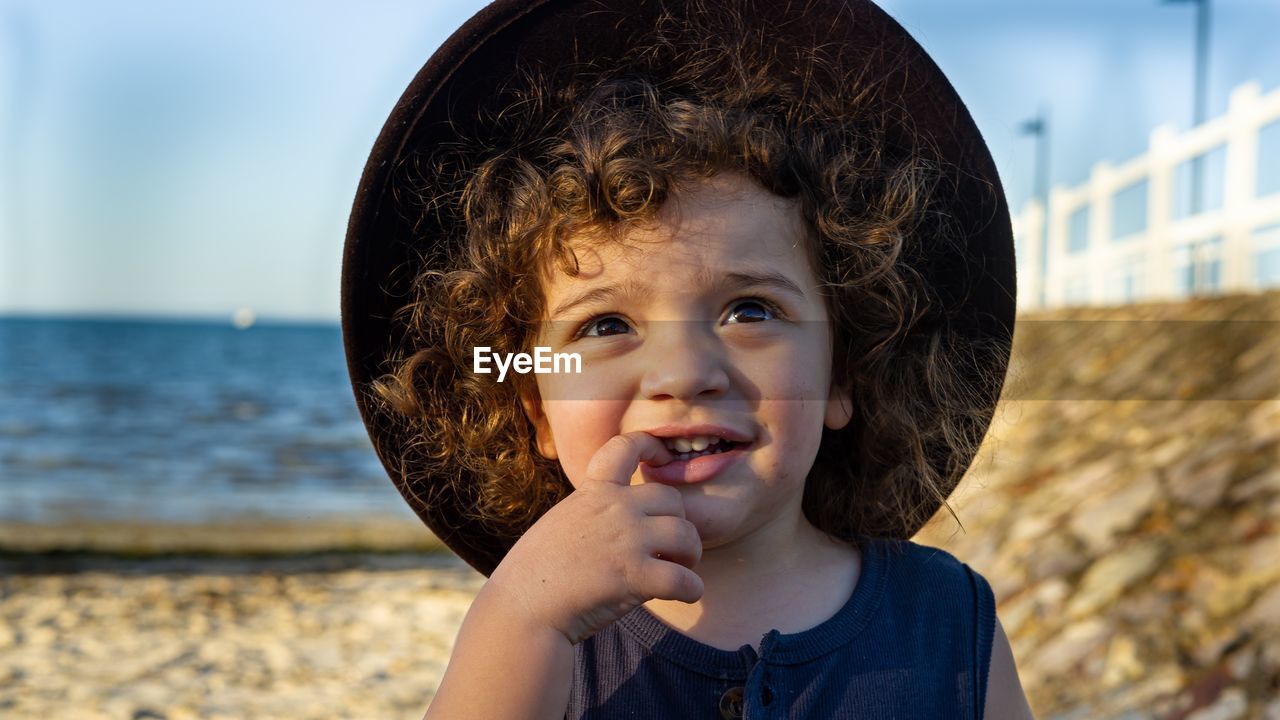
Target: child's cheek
582 427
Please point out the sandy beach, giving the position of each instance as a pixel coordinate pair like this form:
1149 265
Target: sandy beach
320 635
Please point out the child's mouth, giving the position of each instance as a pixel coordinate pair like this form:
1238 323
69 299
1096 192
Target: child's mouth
689 466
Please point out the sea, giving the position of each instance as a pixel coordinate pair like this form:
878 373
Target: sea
121 420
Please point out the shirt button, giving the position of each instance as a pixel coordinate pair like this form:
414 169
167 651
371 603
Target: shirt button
731 703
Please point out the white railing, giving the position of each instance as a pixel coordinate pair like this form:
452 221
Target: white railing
1126 235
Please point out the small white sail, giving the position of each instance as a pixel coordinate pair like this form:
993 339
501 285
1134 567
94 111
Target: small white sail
243 318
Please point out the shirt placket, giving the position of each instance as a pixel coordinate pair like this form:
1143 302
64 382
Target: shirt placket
760 697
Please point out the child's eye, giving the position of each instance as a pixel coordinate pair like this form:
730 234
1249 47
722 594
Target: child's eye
770 310
600 321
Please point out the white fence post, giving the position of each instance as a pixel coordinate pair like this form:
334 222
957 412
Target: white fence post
1240 178
1028 230
1102 188
1160 242
1054 282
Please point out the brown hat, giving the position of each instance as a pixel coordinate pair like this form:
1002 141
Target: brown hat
386 241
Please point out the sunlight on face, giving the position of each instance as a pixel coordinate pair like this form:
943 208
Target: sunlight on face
712 314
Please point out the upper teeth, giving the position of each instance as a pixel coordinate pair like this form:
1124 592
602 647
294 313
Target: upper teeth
697 443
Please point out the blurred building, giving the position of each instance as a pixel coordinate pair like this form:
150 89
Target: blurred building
1133 232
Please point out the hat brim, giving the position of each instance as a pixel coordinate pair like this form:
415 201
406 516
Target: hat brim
977 283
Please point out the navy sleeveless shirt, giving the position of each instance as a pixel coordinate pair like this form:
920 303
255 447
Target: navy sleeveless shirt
913 641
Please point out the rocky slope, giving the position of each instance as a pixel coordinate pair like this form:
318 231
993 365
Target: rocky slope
1125 507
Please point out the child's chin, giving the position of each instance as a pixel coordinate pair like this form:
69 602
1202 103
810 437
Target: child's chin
721 521
716 528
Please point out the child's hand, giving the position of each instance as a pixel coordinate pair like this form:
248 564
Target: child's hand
606 548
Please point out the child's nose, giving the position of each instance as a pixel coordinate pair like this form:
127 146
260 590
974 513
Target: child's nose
683 360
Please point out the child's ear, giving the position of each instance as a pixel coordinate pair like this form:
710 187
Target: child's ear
839 407
542 427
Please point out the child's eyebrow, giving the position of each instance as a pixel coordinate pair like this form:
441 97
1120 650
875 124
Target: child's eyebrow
734 280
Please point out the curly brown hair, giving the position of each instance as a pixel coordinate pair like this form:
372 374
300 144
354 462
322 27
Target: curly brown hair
603 150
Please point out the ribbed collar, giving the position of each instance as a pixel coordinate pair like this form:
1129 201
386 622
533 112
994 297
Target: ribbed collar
775 648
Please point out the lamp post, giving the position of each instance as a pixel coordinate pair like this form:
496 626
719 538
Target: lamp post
1039 126
1200 113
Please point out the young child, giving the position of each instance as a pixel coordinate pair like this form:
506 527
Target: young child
776 243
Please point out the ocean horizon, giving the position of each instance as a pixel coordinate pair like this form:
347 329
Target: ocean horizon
123 419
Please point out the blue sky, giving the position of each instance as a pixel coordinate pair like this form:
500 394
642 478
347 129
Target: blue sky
190 158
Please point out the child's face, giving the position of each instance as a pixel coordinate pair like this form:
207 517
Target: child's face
686 346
